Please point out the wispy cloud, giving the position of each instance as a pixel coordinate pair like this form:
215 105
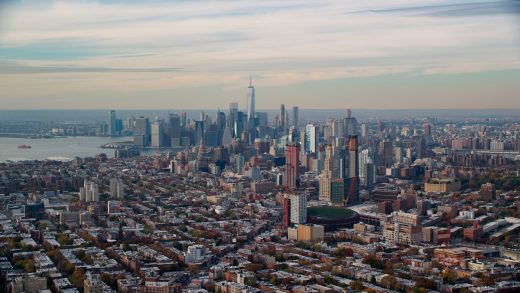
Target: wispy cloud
182 44
21 68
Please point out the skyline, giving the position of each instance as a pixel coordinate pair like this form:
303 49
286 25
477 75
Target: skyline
399 55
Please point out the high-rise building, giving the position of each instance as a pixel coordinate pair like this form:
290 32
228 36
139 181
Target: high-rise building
199 131
184 120
232 117
386 153
112 124
292 165
350 124
367 171
311 138
295 111
353 170
283 126
142 135
116 188
298 209
250 101
175 130
221 126
91 191
157 134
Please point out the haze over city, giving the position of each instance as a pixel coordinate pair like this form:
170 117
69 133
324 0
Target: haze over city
184 54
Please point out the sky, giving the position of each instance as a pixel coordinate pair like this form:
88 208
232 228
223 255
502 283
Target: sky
380 54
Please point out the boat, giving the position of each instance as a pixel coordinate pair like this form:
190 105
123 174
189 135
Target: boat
24 146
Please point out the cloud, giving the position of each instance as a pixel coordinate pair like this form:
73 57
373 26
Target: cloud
20 68
169 45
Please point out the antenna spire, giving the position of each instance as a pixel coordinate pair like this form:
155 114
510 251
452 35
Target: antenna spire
250 82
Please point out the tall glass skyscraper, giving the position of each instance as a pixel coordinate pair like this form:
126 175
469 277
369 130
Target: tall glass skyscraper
112 123
311 138
250 101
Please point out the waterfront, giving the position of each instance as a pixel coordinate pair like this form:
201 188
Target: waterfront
64 149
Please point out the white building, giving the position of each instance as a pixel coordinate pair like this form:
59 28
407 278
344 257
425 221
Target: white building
116 188
298 209
91 191
194 254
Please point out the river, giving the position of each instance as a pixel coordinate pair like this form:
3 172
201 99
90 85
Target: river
66 148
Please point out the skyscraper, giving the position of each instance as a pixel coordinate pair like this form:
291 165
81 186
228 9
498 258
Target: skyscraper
232 117
353 170
250 101
175 130
292 164
295 111
142 135
157 134
112 123
311 138
282 118
298 209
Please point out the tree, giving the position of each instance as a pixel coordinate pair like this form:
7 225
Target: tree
389 282
356 285
77 279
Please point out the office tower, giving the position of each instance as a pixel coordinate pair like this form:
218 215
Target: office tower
184 121
295 116
330 164
221 126
298 209
250 101
292 165
364 133
232 117
239 124
386 152
175 130
350 125
311 138
337 128
366 170
287 119
199 131
353 170
282 117
262 118
142 135
328 174
211 136
420 146
293 135
112 123
116 188
157 134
